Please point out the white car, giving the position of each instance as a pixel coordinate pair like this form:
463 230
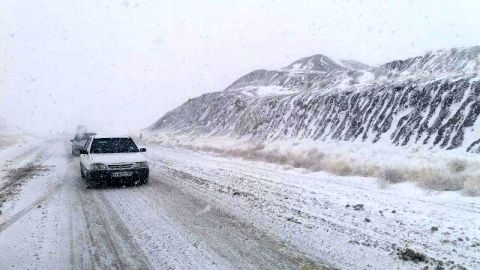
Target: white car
107 159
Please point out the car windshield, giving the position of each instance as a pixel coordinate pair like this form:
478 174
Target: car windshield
113 145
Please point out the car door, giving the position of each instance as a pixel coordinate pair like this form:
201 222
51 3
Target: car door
84 158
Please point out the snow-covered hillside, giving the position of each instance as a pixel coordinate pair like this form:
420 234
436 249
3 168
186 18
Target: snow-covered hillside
449 62
430 100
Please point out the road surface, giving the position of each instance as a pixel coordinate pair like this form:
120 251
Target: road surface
205 212
55 222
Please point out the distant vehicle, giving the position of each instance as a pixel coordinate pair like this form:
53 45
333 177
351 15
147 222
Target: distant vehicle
81 129
79 142
107 159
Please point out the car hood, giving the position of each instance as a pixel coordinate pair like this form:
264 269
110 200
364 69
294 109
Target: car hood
116 158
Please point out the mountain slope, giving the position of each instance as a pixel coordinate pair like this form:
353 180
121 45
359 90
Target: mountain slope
431 100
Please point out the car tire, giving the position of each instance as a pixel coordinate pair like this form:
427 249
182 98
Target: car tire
81 172
89 182
140 182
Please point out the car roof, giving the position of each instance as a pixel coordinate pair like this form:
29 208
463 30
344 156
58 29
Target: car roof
85 133
107 136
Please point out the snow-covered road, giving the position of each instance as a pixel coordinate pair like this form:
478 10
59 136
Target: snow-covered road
52 221
200 211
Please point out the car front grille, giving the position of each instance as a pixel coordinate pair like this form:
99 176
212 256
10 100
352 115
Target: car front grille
120 166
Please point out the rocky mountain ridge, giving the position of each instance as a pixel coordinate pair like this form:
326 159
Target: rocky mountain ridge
431 100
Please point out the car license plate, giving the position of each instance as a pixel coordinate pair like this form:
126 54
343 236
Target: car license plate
121 174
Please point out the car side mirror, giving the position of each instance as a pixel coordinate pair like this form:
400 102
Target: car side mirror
83 152
142 149
71 140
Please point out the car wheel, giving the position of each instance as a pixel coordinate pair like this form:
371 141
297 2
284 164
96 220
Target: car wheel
81 172
90 183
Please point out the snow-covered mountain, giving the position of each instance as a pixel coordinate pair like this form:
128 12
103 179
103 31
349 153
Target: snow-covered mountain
431 100
322 63
453 61
307 74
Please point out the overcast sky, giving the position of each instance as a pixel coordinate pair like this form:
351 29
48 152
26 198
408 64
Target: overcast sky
120 65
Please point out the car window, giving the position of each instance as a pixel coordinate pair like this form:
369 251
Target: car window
113 145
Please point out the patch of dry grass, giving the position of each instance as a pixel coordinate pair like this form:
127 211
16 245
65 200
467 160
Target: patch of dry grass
340 167
457 165
452 178
472 186
437 179
392 175
16 177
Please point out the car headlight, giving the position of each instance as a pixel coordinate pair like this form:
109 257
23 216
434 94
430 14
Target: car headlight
142 164
98 166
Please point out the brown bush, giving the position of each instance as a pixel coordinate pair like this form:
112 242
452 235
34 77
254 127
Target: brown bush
392 175
457 165
472 185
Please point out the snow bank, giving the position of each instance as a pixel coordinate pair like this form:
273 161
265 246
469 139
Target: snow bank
429 168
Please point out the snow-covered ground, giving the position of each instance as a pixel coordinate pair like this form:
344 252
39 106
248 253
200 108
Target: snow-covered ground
202 211
10 134
315 212
428 167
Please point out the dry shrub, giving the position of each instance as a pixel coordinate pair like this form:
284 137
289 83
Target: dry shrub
339 167
438 179
457 165
259 146
311 159
368 170
280 159
472 186
392 175
207 148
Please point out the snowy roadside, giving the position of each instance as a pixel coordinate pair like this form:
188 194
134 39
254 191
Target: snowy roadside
430 168
347 222
10 152
28 172
32 227
19 163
